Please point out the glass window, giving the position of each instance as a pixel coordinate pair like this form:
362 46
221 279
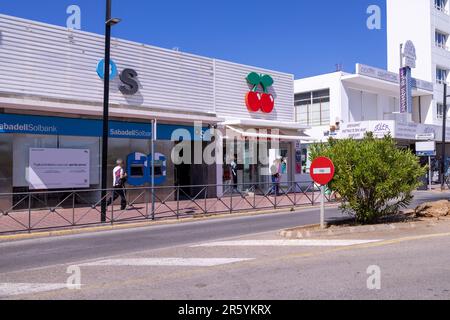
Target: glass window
441 39
441 75
441 5
440 111
313 108
22 143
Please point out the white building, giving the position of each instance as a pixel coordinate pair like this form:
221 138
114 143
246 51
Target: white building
427 24
332 102
51 94
347 105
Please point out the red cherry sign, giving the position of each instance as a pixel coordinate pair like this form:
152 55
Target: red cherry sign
253 101
267 103
257 101
322 171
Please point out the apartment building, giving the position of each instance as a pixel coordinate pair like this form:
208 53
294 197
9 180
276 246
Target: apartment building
430 35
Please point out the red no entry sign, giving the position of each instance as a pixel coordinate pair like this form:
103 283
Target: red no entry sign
322 171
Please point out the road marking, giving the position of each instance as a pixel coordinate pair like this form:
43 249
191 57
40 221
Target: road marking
286 243
185 273
167 262
15 289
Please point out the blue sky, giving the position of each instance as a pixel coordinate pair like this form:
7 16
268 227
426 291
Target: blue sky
296 36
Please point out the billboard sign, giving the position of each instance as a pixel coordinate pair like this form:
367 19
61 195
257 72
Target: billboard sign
406 100
58 169
426 149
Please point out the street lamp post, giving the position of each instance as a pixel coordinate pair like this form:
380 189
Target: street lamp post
444 133
109 22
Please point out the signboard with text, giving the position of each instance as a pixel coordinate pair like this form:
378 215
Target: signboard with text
322 171
58 169
405 90
426 149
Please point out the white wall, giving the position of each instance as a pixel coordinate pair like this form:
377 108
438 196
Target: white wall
410 20
338 98
47 61
44 60
231 88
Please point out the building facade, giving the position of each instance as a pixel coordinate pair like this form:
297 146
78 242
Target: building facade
430 35
51 95
348 105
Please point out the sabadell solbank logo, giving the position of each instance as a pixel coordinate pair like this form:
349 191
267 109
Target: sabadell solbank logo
257 100
128 77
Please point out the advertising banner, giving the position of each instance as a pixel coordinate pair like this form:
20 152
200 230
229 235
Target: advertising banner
58 169
406 101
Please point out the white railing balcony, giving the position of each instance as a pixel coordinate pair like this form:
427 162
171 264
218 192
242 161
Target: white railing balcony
442 46
441 9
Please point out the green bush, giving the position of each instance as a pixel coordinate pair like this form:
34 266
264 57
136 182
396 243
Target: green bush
374 177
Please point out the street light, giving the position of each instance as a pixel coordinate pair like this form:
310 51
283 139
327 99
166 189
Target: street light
444 133
109 22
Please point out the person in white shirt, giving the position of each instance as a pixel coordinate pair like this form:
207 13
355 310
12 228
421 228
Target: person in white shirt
119 179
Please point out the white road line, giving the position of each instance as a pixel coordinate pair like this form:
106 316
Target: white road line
168 262
15 289
286 243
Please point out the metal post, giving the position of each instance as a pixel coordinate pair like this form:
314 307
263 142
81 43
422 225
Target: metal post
444 133
107 63
401 55
29 213
73 209
178 202
154 124
322 207
430 172
146 205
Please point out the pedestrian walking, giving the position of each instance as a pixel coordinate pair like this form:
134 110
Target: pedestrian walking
119 180
234 173
276 170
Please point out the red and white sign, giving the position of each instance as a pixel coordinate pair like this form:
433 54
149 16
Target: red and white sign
322 171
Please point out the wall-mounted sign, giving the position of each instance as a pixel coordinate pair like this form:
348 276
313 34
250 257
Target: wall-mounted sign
128 77
409 54
426 136
43 125
358 130
256 100
58 169
426 149
406 99
393 77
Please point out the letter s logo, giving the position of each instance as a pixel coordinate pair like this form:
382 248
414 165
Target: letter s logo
130 85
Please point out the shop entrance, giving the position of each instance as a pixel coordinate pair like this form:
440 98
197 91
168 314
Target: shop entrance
191 177
256 174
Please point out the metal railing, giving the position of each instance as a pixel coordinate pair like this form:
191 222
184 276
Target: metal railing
33 211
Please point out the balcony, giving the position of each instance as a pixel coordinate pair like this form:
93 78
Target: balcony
442 9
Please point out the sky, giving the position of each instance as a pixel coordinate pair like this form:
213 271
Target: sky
301 37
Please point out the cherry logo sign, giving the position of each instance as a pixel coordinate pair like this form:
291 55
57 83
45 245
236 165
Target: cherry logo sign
256 100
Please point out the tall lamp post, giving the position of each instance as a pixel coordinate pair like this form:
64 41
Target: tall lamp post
109 22
444 133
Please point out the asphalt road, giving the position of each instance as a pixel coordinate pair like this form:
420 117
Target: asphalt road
65 249
411 269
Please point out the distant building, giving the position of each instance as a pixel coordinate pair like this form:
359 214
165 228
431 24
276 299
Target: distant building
427 24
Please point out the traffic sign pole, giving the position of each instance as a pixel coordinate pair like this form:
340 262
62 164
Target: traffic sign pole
322 208
322 172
